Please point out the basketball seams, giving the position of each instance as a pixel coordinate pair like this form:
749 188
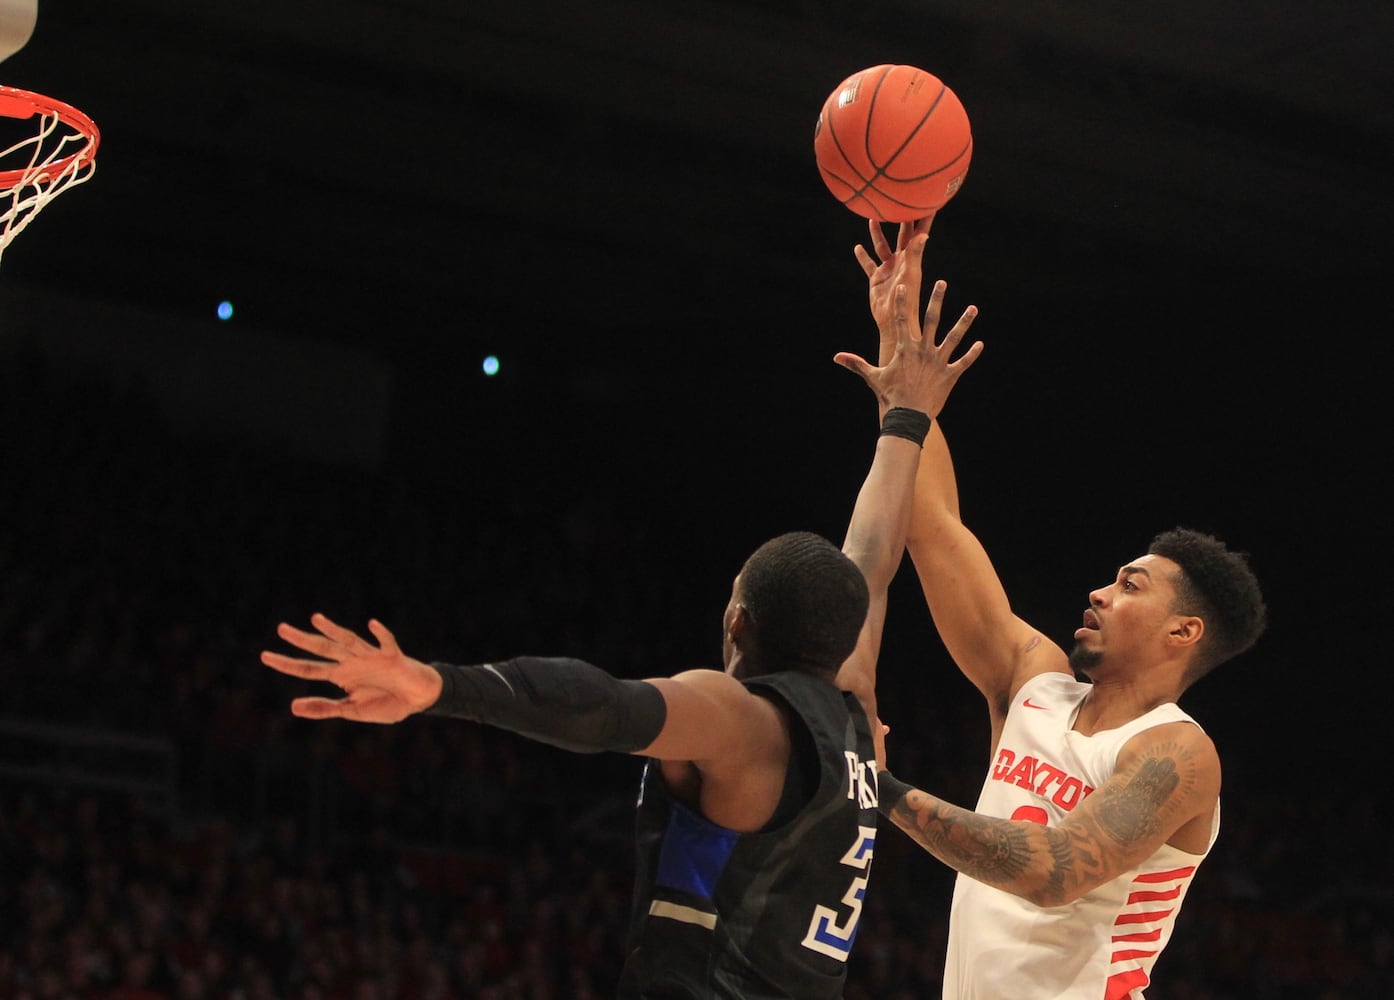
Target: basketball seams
882 170
870 118
886 196
867 184
831 124
967 148
910 137
878 171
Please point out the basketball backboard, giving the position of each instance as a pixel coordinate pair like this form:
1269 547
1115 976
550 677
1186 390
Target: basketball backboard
16 25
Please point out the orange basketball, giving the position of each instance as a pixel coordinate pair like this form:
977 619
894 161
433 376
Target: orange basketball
893 143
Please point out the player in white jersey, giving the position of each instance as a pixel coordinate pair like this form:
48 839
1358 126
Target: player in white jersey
1102 796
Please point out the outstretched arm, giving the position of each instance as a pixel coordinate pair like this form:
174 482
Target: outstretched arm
875 538
705 719
1167 776
994 648
697 715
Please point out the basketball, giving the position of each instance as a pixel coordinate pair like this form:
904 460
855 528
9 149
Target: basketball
893 143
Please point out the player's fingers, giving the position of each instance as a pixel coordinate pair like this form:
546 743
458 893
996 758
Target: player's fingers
309 670
386 640
864 259
878 240
931 310
904 329
969 356
957 331
855 363
346 639
912 261
310 642
909 231
321 708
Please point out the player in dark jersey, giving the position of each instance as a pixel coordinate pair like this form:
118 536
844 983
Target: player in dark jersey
758 814
771 913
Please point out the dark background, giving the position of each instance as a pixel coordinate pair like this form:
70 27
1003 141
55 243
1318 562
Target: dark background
1176 226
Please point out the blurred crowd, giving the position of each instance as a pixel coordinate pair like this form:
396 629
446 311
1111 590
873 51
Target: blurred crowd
169 832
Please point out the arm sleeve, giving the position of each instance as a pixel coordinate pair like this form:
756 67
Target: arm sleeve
561 701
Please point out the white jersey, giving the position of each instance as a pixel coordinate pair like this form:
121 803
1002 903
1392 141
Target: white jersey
1103 945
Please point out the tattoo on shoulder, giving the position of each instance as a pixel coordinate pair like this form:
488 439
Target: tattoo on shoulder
1136 809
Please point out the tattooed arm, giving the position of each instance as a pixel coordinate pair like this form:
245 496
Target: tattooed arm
1165 789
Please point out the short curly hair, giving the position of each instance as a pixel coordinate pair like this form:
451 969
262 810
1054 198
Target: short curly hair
1217 585
806 600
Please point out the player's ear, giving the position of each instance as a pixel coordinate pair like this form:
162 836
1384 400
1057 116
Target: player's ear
1186 631
739 624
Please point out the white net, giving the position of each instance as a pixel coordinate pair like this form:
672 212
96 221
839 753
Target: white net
43 164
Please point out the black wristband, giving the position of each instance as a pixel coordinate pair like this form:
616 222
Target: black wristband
890 791
903 422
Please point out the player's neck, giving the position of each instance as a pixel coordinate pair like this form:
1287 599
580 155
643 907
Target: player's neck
1115 701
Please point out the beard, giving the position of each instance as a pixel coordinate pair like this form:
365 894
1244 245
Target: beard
1082 660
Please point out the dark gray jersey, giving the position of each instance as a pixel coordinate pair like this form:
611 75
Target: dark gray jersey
771 914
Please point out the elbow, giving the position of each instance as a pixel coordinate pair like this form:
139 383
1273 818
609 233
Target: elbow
878 558
861 685
1049 886
1047 880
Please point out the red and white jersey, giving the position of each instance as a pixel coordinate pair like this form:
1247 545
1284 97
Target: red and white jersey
1103 945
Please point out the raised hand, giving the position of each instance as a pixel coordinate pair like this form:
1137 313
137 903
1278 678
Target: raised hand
380 683
918 373
889 268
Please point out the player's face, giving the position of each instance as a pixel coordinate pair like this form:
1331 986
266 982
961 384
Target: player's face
1127 622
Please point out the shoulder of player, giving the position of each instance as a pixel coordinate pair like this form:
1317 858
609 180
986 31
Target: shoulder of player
724 696
712 720
716 683
1178 751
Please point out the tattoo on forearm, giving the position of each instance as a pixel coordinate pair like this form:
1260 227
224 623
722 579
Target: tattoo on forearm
987 849
1050 865
1042 864
1066 858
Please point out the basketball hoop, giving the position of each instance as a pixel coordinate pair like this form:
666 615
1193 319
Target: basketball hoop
60 154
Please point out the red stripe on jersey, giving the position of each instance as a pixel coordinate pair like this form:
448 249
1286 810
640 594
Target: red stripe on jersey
1140 936
1123 984
1152 895
1175 873
1142 918
1127 956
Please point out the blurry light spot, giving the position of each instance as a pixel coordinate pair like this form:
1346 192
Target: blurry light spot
491 365
225 310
